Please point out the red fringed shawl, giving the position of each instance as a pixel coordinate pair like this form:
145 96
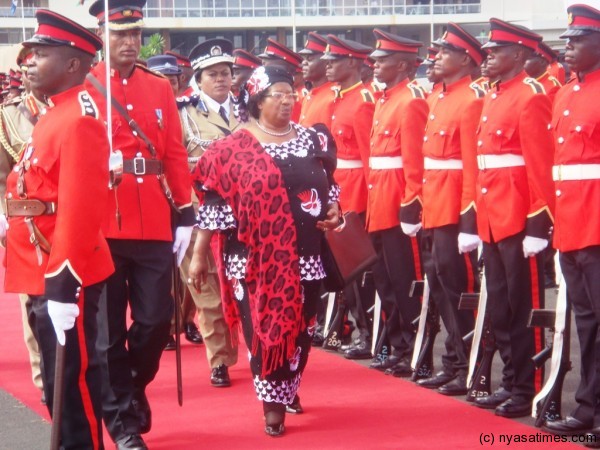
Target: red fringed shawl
245 176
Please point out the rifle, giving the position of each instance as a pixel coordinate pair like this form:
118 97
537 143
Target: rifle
177 296
333 338
547 403
483 345
428 324
58 395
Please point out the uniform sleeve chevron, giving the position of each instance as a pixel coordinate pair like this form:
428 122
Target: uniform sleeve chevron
367 96
537 87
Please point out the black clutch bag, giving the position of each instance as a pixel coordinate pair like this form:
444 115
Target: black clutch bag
346 252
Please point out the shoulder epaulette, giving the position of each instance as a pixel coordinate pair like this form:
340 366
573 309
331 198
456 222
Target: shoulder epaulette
183 101
416 89
537 87
150 71
477 89
554 81
367 96
14 101
88 107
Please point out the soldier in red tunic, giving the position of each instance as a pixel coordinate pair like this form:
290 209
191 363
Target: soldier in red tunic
394 191
141 219
514 204
449 217
56 200
351 120
537 67
317 105
576 125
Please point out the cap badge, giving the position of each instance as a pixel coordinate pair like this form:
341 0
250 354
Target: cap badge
127 13
378 44
216 50
570 18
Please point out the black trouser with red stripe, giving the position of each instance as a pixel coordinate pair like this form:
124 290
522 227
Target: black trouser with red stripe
131 354
81 425
515 284
397 267
449 274
581 270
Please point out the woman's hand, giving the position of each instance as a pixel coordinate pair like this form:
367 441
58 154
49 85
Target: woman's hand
332 218
198 271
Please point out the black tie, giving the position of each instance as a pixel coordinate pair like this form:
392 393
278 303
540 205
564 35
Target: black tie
223 114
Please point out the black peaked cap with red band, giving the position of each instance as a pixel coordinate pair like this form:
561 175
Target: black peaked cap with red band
583 19
275 50
456 38
344 48
124 14
315 44
503 33
182 61
388 43
56 30
245 59
546 52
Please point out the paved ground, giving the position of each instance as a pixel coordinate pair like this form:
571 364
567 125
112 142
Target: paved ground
22 429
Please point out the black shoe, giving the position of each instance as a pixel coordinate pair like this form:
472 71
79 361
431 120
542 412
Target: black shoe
568 426
458 386
592 439
171 344
43 399
219 377
275 430
360 351
434 382
494 400
295 407
317 340
356 342
378 364
192 334
131 442
143 411
401 370
514 407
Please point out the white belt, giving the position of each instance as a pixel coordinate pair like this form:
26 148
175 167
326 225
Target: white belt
385 162
349 163
443 164
499 161
576 172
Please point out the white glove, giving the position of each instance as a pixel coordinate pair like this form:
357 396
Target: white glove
410 229
63 317
532 245
183 236
3 227
467 242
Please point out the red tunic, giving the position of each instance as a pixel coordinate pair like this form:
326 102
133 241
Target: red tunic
350 126
557 70
145 212
515 120
448 194
317 106
70 169
550 83
398 128
576 126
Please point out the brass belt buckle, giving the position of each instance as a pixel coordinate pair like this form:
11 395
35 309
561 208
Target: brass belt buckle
139 166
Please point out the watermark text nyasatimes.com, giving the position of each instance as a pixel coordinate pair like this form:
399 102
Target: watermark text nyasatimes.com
489 439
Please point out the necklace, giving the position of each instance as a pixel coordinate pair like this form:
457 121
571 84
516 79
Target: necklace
272 133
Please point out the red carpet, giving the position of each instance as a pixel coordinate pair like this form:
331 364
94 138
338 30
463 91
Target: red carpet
347 406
